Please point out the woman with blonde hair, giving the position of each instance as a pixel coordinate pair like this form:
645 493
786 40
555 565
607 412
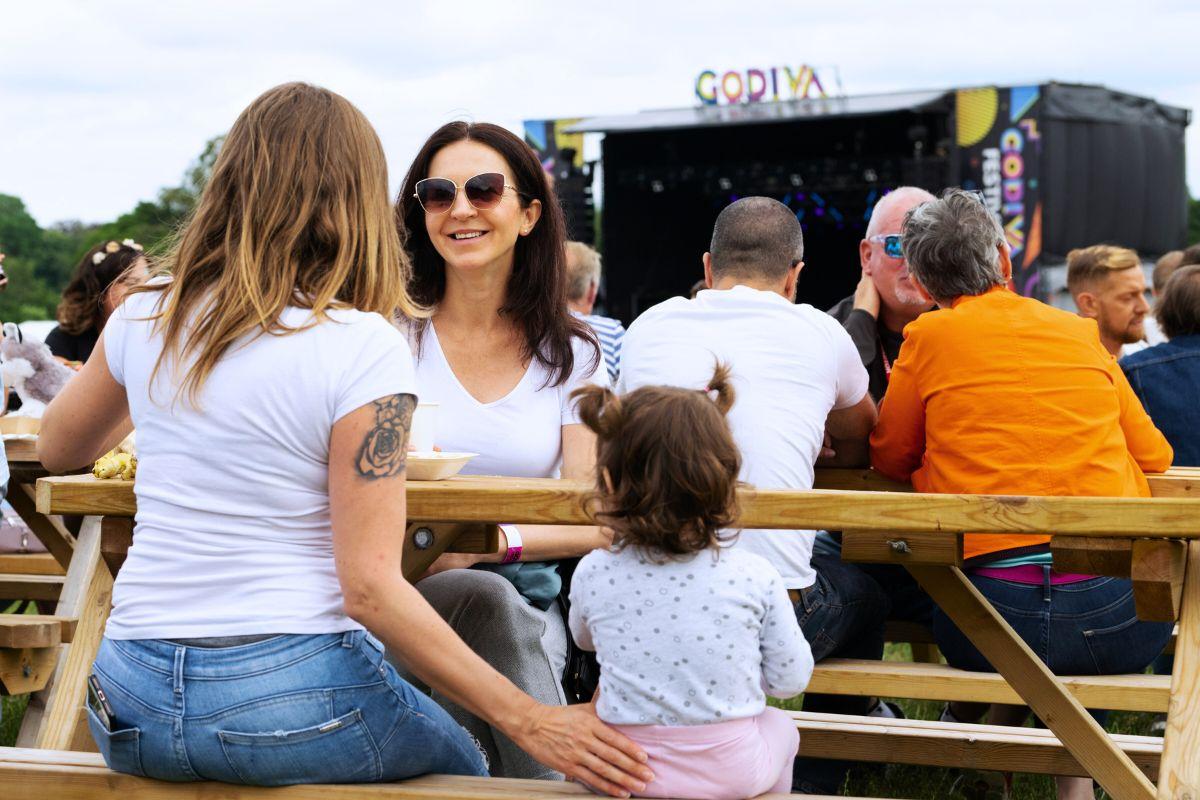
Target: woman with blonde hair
273 399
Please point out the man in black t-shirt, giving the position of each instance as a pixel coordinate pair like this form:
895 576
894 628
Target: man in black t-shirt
886 299
875 315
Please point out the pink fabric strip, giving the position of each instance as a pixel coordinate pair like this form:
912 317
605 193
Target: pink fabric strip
1030 573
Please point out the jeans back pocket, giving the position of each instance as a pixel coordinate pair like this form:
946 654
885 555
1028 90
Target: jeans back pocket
122 749
341 750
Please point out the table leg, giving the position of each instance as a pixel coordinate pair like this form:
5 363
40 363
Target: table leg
425 541
1031 679
49 530
1179 774
54 714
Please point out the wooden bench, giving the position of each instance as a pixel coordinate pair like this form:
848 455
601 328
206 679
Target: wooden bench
930 527
921 681
956 744
28 774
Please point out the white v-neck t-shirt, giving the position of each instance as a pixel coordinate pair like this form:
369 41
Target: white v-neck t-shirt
519 435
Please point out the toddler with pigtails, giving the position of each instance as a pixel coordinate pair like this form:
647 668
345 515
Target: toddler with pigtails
691 635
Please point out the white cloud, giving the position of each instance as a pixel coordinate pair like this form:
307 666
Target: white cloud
102 104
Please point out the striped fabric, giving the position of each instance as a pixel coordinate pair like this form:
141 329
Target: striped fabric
610 332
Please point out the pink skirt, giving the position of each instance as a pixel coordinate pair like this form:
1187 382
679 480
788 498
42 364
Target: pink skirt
722 761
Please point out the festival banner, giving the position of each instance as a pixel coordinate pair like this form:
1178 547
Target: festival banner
548 138
998 136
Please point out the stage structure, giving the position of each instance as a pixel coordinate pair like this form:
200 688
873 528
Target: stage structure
1063 166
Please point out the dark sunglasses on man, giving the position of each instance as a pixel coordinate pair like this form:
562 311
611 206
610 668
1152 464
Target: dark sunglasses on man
484 191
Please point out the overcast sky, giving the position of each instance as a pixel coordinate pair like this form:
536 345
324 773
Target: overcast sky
103 103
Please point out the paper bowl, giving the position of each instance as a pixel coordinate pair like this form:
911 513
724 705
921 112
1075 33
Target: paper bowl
436 466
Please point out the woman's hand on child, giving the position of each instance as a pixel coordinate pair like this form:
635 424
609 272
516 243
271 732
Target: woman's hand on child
573 740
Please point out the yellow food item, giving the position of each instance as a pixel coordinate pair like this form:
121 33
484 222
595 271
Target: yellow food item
115 464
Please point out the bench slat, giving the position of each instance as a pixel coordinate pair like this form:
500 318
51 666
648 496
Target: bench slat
913 681
952 744
83 776
29 564
19 631
31 587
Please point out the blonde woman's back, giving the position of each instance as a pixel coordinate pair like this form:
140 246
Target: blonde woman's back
233 503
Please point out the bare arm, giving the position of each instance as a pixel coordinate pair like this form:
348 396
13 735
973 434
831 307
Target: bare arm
89 417
548 542
849 431
367 455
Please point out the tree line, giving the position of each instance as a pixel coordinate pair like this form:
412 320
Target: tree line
40 261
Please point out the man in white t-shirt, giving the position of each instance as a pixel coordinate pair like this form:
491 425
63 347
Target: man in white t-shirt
797 375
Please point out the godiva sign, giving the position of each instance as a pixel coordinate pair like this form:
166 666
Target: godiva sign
756 85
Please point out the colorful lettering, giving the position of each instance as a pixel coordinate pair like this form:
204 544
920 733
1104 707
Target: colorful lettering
705 90
753 95
1011 141
1014 166
732 97
1014 234
752 85
991 178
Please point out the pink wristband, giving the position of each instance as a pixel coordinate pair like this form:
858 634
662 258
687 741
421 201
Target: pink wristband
513 538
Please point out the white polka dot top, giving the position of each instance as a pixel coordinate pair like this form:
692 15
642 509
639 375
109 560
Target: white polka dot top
689 642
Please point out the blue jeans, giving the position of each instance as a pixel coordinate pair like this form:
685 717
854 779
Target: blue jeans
320 708
1083 628
842 616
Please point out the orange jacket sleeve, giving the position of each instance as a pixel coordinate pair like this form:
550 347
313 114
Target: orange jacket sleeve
1149 448
898 441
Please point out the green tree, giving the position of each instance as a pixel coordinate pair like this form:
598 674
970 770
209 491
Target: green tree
28 295
152 224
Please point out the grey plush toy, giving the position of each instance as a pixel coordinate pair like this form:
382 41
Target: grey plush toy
31 371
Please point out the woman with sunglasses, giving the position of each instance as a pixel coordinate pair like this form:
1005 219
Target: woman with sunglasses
237 649
500 355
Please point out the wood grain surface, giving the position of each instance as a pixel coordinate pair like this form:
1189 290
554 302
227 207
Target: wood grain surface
560 502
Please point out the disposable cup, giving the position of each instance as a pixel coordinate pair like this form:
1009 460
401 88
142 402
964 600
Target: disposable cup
424 427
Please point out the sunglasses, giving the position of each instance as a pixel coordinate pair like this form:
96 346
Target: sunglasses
484 191
890 242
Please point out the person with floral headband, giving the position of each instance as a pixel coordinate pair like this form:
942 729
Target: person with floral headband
100 283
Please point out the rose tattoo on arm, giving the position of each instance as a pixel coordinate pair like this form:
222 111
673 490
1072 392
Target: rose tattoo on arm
384 451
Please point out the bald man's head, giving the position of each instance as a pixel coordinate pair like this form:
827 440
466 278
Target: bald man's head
756 237
889 212
898 295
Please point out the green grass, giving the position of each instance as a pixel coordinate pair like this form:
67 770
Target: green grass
11 710
935 783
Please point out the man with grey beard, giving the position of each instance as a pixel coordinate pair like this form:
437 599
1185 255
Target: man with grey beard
875 315
886 299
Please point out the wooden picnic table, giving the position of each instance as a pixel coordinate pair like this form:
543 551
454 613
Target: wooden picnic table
931 528
24 471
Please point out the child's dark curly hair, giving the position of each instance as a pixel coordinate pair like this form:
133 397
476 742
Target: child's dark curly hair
667 466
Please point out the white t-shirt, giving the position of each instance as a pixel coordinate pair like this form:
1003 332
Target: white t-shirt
232 533
688 642
519 435
791 365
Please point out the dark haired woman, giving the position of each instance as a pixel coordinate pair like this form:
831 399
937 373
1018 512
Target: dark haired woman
500 356
101 281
